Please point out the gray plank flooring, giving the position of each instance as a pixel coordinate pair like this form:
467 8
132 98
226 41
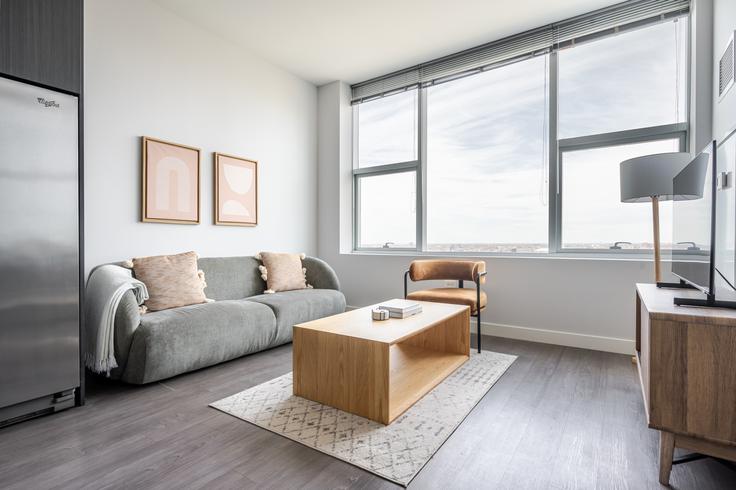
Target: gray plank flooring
560 418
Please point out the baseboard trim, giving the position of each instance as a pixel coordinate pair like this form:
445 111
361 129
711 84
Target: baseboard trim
556 337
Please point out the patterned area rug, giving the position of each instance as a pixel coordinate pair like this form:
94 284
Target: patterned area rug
397 451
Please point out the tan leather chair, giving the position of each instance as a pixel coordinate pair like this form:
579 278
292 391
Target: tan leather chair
457 270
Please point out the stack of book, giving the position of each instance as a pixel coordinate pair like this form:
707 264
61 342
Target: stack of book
401 308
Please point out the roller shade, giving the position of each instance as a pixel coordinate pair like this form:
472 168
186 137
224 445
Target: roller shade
603 22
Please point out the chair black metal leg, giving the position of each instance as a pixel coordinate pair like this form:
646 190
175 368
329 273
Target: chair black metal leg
478 306
478 331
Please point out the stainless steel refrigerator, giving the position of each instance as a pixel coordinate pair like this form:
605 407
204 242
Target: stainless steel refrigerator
39 251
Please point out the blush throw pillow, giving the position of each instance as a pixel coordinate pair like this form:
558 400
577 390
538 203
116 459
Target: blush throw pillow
282 272
172 280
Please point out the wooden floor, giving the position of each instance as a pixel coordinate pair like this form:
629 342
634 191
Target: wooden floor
559 418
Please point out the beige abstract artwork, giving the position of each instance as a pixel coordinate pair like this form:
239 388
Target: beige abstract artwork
170 182
236 191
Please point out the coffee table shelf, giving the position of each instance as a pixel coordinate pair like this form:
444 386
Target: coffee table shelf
414 371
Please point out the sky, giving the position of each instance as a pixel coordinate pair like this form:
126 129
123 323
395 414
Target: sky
487 146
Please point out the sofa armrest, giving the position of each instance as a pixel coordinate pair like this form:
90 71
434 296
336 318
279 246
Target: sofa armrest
320 275
127 319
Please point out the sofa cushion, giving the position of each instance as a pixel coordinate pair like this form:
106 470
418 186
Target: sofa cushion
302 305
455 296
171 342
172 280
232 277
283 271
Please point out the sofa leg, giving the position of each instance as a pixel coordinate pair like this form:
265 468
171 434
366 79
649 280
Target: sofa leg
479 332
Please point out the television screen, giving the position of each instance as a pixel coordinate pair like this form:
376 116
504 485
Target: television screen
693 211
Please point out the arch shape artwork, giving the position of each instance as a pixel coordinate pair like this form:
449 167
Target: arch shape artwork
170 182
173 185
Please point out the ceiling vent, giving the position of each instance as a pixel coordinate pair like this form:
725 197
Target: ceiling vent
726 68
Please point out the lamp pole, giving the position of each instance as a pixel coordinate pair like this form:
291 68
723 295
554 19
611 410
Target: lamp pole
655 223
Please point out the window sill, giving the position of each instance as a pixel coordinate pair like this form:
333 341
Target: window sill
646 256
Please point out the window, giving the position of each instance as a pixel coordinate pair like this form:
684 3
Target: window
486 161
465 164
386 175
620 97
387 210
636 79
387 130
593 216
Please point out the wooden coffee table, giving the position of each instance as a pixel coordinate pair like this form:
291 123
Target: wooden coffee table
378 369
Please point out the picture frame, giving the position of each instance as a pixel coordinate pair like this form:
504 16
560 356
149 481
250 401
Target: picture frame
236 190
170 182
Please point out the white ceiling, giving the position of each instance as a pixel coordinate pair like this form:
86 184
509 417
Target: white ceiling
325 40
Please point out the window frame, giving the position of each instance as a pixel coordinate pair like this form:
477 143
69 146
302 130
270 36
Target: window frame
676 131
415 166
556 147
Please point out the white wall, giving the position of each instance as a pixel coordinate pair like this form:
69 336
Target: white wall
335 170
701 76
149 72
724 122
579 302
724 110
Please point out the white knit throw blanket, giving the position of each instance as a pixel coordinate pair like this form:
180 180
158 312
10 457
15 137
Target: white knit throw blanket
105 289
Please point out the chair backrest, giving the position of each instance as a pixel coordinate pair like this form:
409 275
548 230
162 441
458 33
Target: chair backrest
465 270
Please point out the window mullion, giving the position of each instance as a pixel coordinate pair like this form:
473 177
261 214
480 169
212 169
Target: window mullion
613 138
554 197
356 212
422 173
354 164
387 168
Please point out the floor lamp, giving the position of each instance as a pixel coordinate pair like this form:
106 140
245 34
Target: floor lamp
649 178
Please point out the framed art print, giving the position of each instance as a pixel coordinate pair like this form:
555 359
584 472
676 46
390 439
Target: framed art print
170 182
236 191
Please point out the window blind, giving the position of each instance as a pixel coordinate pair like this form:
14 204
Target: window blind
602 22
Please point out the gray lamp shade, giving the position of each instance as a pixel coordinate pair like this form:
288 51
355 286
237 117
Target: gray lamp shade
651 175
690 182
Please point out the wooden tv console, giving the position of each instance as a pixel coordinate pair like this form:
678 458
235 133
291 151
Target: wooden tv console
687 367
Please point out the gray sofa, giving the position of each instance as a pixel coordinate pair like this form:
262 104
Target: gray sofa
242 320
